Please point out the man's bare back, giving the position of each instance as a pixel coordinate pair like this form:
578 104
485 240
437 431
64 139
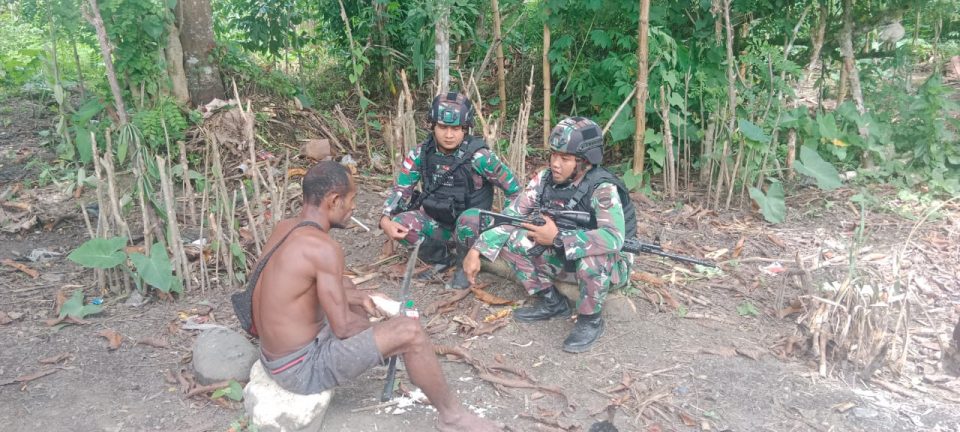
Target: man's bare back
303 307
285 305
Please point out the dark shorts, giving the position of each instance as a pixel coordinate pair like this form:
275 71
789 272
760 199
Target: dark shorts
325 362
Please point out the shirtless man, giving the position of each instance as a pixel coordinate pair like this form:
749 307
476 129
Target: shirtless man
313 324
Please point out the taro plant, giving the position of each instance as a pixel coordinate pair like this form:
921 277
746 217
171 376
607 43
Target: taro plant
152 270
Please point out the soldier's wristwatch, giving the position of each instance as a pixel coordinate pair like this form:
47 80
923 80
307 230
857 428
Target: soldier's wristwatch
557 241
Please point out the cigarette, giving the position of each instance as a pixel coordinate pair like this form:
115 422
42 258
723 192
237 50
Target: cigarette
360 223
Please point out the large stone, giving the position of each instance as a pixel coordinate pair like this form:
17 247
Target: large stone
273 409
317 149
500 268
221 354
619 308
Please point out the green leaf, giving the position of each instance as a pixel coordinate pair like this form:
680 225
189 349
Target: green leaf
233 391
772 204
75 308
156 269
623 127
84 145
747 309
828 127
812 165
100 253
632 180
152 26
600 38
752 131
86 112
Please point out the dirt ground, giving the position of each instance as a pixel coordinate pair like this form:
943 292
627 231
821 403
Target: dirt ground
686 359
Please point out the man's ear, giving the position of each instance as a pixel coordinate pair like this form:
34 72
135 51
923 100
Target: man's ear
330 200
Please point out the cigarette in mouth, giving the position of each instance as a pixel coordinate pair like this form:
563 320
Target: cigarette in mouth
360 223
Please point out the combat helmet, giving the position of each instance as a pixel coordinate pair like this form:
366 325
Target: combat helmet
578 136
452 109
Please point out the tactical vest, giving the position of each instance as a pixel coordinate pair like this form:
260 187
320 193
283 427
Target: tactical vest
578 198
456 190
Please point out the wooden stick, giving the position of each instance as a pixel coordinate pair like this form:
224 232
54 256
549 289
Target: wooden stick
174 241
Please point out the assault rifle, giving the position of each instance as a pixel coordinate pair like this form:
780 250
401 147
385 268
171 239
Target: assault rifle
573 219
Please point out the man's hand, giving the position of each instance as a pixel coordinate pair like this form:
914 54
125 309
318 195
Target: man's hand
392 229
357 298
471 265
542 234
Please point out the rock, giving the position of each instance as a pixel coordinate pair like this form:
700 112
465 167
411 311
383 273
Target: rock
500 268
317 149
570 290
619 308
222 354
273 409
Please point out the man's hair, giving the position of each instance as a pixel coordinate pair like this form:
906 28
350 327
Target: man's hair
324 178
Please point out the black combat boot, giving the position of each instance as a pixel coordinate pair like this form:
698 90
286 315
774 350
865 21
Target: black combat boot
434 252
459 280
549 304
585 332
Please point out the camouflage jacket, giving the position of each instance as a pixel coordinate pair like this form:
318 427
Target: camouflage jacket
486 165
607 238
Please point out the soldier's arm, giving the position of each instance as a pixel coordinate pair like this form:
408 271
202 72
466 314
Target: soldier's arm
490 166
406 180
608 236
489 242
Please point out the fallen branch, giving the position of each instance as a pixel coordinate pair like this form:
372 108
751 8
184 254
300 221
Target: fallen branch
29 377
23 268
207 388
377 406
443 303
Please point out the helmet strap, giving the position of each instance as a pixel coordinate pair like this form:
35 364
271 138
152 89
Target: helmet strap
582 167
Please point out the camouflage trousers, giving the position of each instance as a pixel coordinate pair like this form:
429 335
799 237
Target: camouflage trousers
421 226
595 274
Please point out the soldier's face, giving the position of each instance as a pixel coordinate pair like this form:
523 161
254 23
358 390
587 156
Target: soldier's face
563 166
448 137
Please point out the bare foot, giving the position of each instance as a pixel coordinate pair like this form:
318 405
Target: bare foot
466 421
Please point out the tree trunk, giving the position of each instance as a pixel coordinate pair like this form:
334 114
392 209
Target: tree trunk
791 151
356 82
669 166
442 48
498 39
640 108
731 104
386 60
93 16
76 59
853 75
196 37
174 55
546 80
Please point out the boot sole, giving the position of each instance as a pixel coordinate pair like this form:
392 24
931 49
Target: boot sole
529 320
584 348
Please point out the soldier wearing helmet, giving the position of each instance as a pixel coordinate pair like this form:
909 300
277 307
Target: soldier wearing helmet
589 255
456 173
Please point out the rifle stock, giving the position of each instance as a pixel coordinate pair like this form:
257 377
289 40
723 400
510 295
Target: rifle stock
573 219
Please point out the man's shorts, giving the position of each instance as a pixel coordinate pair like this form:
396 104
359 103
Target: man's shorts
324 363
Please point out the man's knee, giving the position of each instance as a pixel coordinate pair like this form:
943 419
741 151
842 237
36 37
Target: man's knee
410 333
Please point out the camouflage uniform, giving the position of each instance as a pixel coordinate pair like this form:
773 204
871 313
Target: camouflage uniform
600 264
486 167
